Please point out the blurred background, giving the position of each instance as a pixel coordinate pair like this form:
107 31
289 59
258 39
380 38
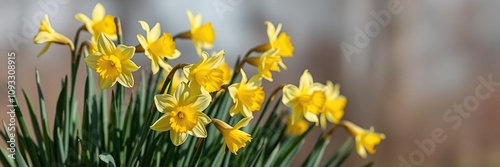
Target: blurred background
426 59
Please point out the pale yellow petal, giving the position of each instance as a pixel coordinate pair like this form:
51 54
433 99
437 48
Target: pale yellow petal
204 118
243 122
84 19
289 92
243 77
126 79
271 31
199 130
105 45
306 80
165 102
124 52
91 60
45 48
311 117
129 65
142 41
179 92
178 138
200 102
144 26
359 148
162 124
155 67
105 83
99 12
233 89
154 33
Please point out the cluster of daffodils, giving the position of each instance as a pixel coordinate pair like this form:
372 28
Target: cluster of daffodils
188 101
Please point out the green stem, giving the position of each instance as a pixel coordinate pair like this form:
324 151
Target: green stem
119 33
271 98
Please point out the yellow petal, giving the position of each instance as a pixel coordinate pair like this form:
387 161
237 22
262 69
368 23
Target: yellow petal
105 83
129 65
360 149
199 102
199 130
126 79
178 138
154 33
179 93
155 66
289 92
45 48
311 117
144 26
98 12
105 45
306 80
84 19
91 60
162 124
242 123
203 118
165 102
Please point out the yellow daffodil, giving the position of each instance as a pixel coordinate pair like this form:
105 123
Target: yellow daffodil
305 100
157 47
277 40
202 36
333 108
234 138
112 63
182 114
228 72
46 34
247 95
100 22
269 61
297 128
205 73
366 139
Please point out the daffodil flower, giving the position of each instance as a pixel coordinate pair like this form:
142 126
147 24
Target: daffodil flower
247 95
297 128
333 108
46 34
366 139
228 72
157 47
100 22
234 138
205 73
305 100
182 114
202 36
269 61
112 63
277 40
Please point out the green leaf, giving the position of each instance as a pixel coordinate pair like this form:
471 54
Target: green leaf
343 158
290 146
316 154
337 153
108 159
26 137
48 149
33 118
